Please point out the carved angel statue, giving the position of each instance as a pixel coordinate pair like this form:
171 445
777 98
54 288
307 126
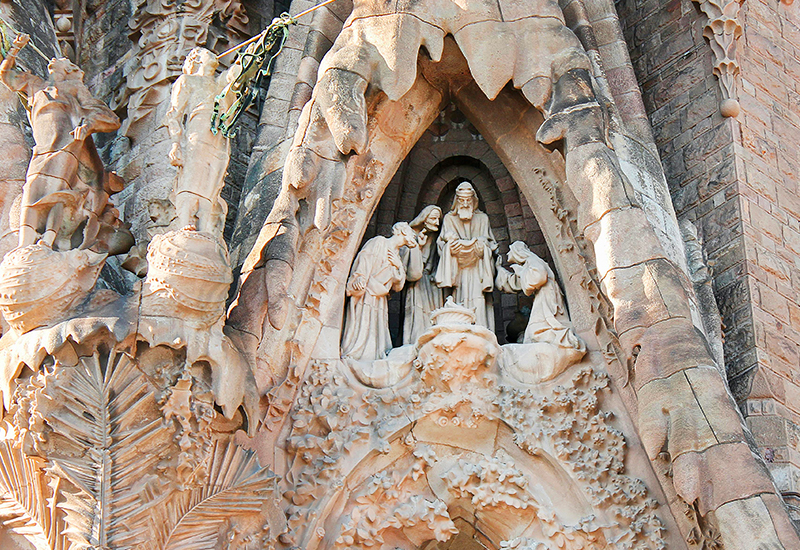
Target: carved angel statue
201 155
423 297
556 344
60 195
377 271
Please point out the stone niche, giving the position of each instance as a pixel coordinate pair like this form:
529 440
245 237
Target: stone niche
449 152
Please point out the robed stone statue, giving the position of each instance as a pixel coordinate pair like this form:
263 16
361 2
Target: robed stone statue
377 271
466 247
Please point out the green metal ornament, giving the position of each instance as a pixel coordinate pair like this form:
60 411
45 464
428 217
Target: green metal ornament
256 63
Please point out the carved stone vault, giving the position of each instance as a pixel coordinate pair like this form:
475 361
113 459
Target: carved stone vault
157 420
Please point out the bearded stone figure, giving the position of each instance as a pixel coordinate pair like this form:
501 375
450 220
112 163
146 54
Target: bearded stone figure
377 271
466 246
200 155
423 297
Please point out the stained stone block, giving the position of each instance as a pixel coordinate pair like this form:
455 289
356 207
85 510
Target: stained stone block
701 477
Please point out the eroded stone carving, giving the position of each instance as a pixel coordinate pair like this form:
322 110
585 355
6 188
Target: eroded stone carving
466 247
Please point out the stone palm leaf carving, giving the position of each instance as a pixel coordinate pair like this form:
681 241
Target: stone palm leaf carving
236 487
27 503
107 471
110 439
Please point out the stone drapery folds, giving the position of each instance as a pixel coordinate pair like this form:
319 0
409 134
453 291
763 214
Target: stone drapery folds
144 420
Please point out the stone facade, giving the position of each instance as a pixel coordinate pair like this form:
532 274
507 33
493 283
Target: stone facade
735 179
616 182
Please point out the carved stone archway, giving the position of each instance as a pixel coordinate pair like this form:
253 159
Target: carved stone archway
630 295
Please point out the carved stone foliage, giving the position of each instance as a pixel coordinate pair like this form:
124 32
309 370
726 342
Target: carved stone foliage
120 447
124 416
393 500
722 30
337 422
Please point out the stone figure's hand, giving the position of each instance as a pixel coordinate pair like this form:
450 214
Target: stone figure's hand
478 248
394 259
20 41
498 263
80 133
358 284
175 155
422 238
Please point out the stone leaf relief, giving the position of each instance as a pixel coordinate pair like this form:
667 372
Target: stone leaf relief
128 411
723 30
488 483
337 421
392 500
133 460
123 409
28 495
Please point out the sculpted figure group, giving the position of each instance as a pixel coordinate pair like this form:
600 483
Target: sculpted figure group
460 266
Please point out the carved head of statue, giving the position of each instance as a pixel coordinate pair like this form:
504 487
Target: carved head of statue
62 69
428 220
200 61
465 202
518 253
402 233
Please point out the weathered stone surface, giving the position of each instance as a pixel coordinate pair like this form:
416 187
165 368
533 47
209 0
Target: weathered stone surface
709 489
135 415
